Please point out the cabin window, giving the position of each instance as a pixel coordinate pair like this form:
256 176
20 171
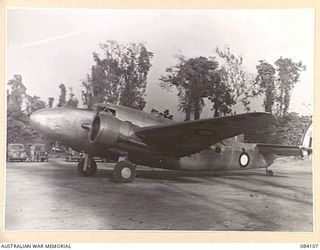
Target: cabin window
110 111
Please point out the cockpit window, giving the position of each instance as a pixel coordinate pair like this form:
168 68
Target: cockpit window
110 111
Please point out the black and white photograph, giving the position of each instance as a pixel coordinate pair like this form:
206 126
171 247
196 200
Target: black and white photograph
159 120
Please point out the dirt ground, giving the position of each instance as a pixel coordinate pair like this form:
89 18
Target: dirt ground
51 196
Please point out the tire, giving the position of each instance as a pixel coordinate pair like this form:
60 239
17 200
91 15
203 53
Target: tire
124 172
91 169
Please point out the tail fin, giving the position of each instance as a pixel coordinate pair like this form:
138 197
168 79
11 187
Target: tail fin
306 147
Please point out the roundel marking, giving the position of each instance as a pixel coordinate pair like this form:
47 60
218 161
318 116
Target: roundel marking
244 159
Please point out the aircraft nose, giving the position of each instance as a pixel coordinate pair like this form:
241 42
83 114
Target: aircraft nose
62 124
36 118
46 121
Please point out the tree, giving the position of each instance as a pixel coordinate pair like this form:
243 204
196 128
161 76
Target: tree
62 97
18 131
221 96
95 90
18 123
265 80
119 76
73 101
196 79
234 76
34 103
15 98
288 73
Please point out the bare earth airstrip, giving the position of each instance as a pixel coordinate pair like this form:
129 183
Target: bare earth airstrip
51 196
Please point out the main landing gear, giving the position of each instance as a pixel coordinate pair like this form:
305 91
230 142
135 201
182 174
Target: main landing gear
124 172
269 172
87 166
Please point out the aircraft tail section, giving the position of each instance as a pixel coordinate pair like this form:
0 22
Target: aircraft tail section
271 151
279 150
306 146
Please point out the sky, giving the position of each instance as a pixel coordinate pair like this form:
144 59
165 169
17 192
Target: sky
53 46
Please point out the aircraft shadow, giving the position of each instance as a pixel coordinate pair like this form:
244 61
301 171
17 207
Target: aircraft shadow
188 176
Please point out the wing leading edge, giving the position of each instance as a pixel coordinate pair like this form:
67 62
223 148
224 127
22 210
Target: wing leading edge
186 138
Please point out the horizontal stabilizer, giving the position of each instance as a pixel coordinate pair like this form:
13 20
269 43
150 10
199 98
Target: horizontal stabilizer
280 150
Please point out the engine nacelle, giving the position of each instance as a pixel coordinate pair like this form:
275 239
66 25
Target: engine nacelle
108 130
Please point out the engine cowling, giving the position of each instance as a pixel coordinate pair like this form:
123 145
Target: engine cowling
108 130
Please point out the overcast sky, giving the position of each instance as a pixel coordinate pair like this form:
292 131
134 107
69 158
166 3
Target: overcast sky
53 46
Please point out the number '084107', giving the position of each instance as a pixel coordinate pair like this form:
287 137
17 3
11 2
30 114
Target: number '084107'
314 246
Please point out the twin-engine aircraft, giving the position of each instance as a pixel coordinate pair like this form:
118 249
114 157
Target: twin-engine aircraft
137 138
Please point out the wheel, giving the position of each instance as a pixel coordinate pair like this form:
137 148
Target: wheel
124 172
269 172
91 169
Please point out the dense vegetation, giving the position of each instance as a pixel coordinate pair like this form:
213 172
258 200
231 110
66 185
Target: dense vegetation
119 76
287 130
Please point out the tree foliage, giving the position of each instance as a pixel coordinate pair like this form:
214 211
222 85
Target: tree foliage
240 82
62 97
286 130
15 98
196 79
19 107
288 74
72 102
277 83
34 103
221 96
265 80
63 102
119 76
235 77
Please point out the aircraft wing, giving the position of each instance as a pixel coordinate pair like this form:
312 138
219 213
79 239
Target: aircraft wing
186 138
280 150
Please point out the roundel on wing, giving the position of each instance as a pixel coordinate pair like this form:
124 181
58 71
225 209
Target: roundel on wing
244 159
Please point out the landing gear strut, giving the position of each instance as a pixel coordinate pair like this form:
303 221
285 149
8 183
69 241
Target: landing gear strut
87 166
269 172
124 172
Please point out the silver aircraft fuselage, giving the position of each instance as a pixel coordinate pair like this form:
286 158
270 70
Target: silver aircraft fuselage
68 126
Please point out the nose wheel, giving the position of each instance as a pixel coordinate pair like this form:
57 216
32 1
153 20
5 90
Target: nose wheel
87 166
124 172
269 172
